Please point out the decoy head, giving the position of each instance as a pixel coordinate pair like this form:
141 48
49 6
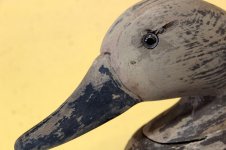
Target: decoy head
157 49
161 49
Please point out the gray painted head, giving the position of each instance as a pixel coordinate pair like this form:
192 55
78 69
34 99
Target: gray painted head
190 58
157 49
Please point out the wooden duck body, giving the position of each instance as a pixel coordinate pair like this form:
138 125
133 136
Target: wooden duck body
194 123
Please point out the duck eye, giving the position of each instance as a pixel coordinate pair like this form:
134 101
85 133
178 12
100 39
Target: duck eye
150 40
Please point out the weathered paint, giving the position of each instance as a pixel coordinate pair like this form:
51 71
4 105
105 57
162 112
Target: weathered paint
194 123
216 141
190 56
191 119
190 59
98 100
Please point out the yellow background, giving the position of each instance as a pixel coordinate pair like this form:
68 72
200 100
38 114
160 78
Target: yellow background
46 47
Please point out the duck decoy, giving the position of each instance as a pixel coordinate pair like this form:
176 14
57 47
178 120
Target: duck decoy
158 49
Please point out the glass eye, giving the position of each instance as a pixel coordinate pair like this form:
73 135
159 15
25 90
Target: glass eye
150 40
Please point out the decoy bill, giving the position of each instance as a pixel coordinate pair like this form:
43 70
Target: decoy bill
157 49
